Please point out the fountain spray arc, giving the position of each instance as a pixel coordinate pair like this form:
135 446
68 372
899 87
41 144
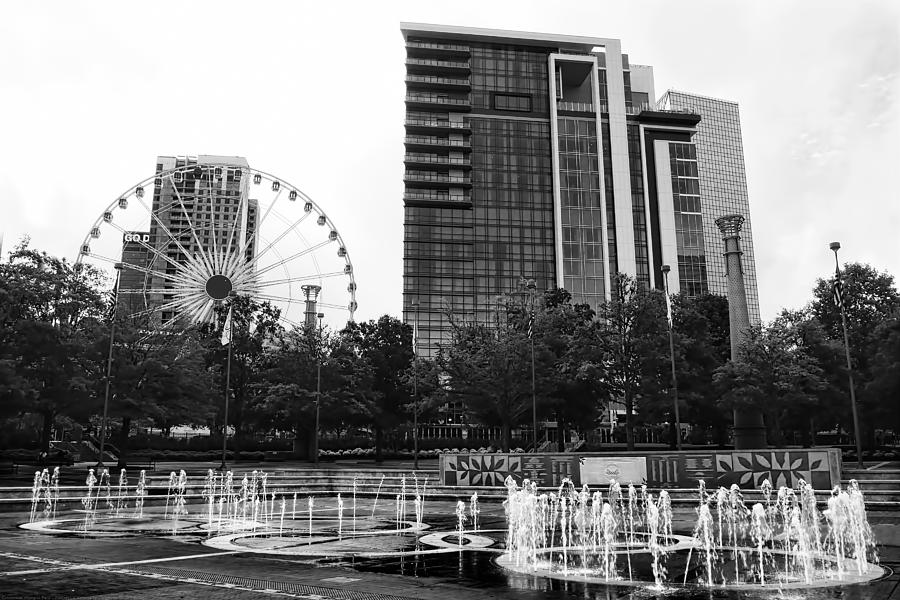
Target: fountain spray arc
749 429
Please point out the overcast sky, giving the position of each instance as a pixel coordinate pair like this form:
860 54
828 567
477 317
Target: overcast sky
92 92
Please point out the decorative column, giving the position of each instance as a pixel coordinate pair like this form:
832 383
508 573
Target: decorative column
749 429
311 293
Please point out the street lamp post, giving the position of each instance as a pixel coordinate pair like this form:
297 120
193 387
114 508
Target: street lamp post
665 270
320 316
109 362
415 303
835 246
227 330
531 286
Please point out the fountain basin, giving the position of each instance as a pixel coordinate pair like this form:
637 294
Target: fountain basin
684 557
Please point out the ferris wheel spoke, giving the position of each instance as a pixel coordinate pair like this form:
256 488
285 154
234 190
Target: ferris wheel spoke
172 304
269 209
190 259
141 291
148 247
212 222
240 245
191 267
304 252
203 257
272 282
125 265
332 306
277 298
163 327
251 263
290 322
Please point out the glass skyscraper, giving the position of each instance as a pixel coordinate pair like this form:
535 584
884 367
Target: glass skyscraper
544 157
720 162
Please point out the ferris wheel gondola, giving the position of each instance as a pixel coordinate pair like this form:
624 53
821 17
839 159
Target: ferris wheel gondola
208 231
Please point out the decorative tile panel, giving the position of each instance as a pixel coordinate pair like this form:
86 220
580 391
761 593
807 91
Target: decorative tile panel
746 468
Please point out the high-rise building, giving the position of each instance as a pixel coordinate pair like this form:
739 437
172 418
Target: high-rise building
201 205
723 189
545 157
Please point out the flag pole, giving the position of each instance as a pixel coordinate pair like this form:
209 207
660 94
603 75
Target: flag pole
228 324
109 362
839 300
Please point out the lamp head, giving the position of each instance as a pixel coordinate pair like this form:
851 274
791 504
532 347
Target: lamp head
835 246
665 268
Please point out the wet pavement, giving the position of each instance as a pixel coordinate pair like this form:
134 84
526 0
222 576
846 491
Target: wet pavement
165 565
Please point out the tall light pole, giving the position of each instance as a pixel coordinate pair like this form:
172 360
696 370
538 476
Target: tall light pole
109 362
665 271
531 286
415 340
839 299
227 338
320 316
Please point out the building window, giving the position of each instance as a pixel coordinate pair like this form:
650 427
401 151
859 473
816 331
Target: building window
516 103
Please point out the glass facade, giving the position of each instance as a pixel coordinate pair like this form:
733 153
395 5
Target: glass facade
513 208
479 181
720 165
638 208
582 206
692 277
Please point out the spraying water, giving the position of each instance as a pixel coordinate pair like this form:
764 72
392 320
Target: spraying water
460 521
377 492
140 492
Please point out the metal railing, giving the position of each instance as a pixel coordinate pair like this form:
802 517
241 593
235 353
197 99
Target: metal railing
432 99
437 46
437 123
436 141
576 106
435 159
436 177
422 196
437 80
446 64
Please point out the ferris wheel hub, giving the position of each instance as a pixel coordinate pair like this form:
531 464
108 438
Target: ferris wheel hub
218 287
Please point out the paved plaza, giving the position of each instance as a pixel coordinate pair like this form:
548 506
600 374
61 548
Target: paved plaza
158 558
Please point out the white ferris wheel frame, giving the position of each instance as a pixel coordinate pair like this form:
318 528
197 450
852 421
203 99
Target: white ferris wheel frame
192 298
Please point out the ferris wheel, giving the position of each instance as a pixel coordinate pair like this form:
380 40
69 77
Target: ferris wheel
200 230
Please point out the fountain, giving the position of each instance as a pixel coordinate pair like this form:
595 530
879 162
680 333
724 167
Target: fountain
783 545
617 535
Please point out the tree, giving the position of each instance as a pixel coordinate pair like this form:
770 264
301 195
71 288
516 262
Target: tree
48 308
632 331
288 382
702 344
870 299
386 344
156 374
577 391
776 374
882 389
254 325
489 370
